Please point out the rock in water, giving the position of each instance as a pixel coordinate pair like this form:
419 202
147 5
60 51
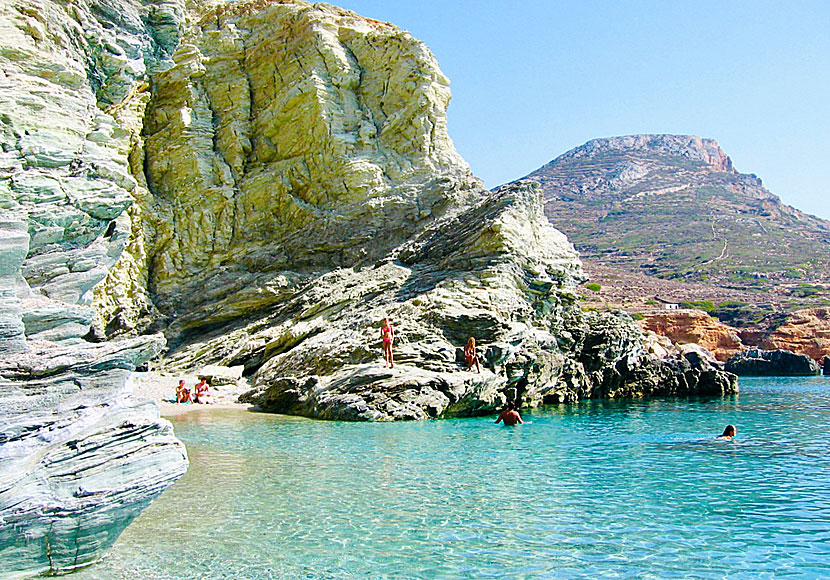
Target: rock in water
772 363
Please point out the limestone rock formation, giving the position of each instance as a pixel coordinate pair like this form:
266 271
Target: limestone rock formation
772 363
695 326
79 456
287 140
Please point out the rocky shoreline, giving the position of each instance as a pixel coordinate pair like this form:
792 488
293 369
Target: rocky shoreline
256 184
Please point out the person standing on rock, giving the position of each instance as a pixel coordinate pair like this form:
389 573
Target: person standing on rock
387 335
510 416
471 356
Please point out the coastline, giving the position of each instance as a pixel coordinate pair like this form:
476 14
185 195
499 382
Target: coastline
161 388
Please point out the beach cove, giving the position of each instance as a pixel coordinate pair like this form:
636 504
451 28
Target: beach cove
596 489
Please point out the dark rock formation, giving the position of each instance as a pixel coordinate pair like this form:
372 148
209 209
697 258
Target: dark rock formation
772 363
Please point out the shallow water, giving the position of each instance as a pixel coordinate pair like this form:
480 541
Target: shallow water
594 490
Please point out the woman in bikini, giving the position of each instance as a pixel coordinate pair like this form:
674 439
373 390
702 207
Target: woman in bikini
387 335
471 355
182 393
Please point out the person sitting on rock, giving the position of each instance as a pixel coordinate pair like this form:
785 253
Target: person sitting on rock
202 393
387 335
182 393
471 356
728 433
510 416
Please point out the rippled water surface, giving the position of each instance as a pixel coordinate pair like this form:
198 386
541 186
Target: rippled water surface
595 490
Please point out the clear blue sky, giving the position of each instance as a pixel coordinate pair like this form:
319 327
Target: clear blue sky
531 80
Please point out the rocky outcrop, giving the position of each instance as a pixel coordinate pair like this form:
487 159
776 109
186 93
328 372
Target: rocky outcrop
805 332
287 140
498 272
79 456
772 363
689 326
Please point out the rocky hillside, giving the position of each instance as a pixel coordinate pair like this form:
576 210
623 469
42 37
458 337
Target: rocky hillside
673 208
256 183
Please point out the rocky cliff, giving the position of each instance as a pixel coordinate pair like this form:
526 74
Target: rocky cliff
262 181
695 326
79 456
804 331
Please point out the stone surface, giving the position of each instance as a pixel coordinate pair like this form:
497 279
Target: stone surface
772 363
79 456
695 326
282 144
805 332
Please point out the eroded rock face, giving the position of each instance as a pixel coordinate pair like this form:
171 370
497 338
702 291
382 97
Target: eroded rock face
289 138
695 327
805 332
79 456
772 363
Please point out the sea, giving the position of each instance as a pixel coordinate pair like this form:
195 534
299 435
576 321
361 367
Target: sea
598 489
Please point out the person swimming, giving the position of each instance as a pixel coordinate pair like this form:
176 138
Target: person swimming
510 416
728 433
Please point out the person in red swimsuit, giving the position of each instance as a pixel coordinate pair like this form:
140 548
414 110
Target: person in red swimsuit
387 335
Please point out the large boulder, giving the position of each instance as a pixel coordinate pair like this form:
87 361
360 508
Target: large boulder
772 363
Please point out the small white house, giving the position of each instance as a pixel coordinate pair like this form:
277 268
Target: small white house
671 306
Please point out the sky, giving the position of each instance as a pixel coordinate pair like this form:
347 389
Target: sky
533 79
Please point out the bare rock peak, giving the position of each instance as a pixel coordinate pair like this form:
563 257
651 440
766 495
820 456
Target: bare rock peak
684 146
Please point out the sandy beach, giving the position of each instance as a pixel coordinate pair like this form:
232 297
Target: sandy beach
161 388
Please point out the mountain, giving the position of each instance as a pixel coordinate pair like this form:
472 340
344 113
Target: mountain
652 210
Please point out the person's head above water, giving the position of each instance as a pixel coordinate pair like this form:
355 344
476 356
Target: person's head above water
729 431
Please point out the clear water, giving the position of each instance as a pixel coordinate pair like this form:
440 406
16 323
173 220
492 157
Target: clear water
595 490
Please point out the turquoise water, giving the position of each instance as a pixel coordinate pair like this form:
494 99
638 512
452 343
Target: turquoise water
595 490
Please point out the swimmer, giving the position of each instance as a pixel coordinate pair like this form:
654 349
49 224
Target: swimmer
728 433
510 416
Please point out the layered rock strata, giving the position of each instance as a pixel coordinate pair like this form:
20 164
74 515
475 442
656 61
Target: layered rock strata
79 456
805 332
689 326
287 140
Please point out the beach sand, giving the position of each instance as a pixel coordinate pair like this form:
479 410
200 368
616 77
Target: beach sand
161 388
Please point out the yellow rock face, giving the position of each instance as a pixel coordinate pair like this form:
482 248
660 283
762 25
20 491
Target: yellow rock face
292 136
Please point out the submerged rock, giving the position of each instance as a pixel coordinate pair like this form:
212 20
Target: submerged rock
772 363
